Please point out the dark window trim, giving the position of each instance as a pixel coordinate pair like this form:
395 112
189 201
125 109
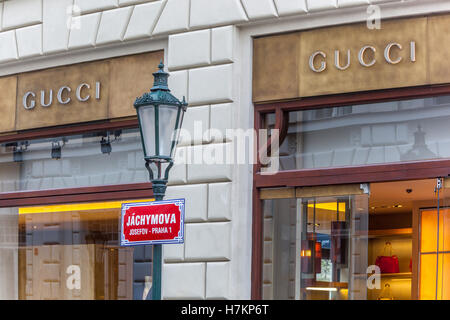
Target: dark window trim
68 130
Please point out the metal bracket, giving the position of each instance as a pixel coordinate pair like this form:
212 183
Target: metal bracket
365 187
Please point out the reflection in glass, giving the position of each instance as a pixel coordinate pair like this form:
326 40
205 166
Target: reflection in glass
325 248
315 248
386 132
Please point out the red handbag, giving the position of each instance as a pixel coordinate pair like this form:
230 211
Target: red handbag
388 263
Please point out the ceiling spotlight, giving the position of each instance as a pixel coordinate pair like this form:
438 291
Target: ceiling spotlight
105 145
19 148
56 150
57 146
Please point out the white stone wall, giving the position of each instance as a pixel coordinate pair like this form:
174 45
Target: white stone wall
30 28
208 53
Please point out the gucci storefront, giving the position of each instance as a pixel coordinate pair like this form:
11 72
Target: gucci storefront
355 202
70 155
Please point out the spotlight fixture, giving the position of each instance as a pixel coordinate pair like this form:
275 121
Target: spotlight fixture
105 145
56 150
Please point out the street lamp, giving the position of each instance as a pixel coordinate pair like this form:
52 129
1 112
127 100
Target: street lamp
160 117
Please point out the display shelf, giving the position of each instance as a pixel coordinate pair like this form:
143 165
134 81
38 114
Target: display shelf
325 284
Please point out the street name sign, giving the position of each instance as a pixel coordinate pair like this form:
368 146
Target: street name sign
154 222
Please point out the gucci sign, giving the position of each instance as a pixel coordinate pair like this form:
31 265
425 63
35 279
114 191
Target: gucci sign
63 95
318 60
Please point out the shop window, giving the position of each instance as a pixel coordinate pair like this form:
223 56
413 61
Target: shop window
378 241
387 132
309 243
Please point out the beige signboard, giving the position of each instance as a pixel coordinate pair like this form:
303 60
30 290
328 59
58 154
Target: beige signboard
8 87
85 92
63 95
352 58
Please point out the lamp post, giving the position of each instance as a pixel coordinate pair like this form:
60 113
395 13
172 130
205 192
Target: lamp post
160 116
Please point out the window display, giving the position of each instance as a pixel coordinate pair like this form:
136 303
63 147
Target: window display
84 160
365 134
381 243
70 251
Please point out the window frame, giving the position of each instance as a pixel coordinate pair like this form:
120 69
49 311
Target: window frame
412 170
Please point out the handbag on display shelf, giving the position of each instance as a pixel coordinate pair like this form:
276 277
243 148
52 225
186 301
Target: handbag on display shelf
386 293
387 263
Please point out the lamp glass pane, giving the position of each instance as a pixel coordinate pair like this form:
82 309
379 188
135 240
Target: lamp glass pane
167 127
147 119
178 131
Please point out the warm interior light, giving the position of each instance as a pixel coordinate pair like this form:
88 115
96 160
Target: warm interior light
321 289
428 255
18 156
79 206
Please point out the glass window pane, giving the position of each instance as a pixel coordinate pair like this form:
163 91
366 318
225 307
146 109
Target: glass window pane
9 254
366 134
279 261
428 277
444 260
147 119
429 230
167 122
315 248
325 248
444 228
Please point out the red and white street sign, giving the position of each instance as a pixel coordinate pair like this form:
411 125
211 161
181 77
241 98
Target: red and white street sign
155 222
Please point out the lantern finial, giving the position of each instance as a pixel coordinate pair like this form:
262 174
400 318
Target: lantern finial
160 79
